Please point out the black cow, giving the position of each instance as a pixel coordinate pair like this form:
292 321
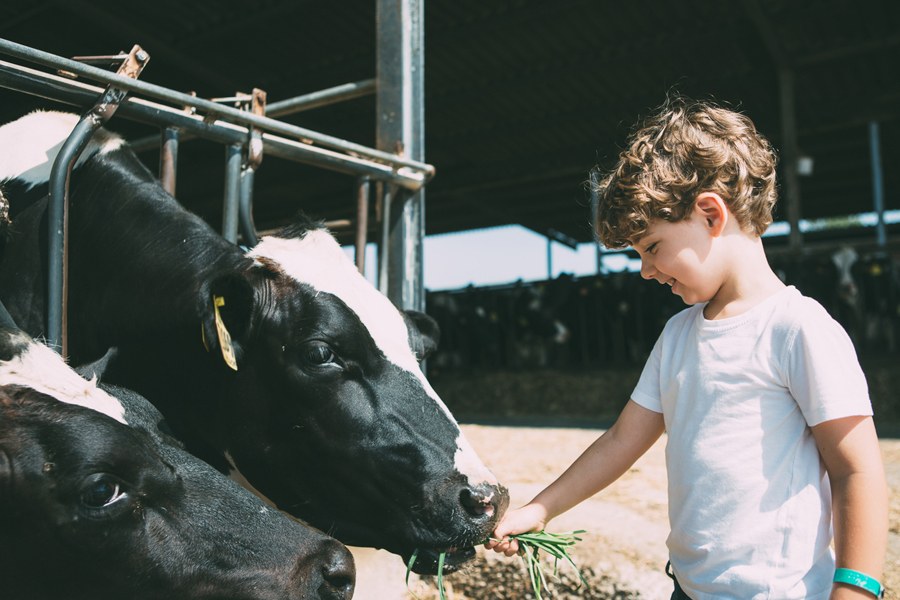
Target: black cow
97 502
327 414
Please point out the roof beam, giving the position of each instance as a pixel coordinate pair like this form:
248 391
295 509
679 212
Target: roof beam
156 47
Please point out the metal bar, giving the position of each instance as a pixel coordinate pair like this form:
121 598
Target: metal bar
168 159
549 258
57 213
252 161
401 130
232 114
58 225
362 222
245 216
384 244
338 93
877 182
59 89
231 207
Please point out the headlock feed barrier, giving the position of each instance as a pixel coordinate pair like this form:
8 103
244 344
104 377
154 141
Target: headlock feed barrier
248 133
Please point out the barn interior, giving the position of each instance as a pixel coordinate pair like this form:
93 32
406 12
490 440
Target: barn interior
522 98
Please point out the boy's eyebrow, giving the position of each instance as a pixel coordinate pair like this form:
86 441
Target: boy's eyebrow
636 243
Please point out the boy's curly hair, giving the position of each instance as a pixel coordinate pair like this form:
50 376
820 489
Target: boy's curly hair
683 149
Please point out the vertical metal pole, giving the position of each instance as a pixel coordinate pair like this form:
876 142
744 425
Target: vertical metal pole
789 155
57 210
168 159
362 222
877 182
594 180
385 241
401 130
245 209
231 208
549 258
58 230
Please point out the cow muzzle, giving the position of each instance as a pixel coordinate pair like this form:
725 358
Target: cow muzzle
478 510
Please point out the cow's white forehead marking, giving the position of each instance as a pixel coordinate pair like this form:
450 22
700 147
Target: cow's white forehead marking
318 261
28 146
43 370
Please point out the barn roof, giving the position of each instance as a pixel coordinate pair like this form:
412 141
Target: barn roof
522 97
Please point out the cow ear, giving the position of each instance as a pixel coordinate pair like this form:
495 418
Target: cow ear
428 329
225 311
99 368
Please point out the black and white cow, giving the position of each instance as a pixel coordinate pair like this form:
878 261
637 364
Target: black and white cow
97 502
327 414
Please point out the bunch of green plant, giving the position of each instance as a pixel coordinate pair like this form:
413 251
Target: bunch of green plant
530 545
554 544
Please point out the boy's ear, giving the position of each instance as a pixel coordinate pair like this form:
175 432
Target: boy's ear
710 207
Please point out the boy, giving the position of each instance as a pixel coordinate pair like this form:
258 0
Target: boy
765 407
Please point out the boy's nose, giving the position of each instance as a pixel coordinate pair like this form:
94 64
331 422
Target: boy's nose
647 269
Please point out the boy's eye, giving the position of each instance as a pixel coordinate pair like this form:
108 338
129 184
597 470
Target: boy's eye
651 249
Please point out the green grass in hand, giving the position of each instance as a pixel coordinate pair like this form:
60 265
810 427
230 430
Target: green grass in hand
530 544
554 544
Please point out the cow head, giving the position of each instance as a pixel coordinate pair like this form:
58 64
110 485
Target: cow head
328 413
90 505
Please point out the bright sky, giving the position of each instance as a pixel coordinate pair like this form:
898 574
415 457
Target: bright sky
506 254
497 255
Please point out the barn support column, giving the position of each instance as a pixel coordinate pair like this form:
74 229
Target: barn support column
877 182
789 153
789 156
400 114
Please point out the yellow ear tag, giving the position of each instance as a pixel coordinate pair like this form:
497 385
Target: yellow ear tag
224 337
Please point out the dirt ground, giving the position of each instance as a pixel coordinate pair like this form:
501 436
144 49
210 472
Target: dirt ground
623 552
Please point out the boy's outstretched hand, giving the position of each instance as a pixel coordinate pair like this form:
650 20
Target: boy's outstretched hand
531 517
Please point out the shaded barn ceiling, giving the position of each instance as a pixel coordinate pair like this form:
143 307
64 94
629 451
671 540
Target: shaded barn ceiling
522 97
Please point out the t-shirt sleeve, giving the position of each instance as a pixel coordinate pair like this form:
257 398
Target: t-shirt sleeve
823 372
647 393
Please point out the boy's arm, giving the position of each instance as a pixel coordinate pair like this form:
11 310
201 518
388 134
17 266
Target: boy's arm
849 448
613 453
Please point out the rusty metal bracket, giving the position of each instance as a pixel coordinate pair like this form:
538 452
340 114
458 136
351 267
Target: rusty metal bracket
255 145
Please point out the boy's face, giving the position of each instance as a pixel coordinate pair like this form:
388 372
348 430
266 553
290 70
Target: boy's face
679 255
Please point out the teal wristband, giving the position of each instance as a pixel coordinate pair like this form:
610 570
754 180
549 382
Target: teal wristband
859 580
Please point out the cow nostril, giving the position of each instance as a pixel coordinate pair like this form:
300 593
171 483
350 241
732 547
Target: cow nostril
476 502
338 576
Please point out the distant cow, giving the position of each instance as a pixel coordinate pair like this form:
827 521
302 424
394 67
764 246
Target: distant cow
327 413
97 502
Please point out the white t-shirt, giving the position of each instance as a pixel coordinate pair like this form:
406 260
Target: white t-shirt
749 497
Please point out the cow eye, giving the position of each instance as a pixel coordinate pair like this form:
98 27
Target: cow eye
101 493
319 354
